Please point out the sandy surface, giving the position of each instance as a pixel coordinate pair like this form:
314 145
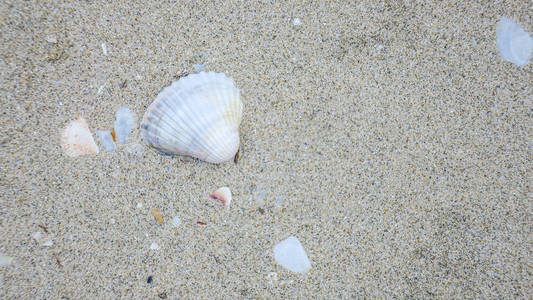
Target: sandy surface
397 139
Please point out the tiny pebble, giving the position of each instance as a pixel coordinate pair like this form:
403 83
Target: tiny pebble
154 246
48 243
297 22
150 279
139 205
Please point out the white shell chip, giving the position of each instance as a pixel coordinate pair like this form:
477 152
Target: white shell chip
291 255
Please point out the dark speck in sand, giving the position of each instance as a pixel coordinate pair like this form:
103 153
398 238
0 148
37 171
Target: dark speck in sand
150 279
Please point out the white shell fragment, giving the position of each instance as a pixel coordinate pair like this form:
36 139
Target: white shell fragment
514 43
123 124
76 139
198 116
106 140
291 255
223 195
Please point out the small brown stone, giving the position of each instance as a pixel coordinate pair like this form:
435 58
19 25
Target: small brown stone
157 215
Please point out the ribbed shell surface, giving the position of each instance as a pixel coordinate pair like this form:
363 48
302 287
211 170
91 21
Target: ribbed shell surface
198 116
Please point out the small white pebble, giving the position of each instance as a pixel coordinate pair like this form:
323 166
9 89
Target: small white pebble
112 221
48 243
297 22
139 205
100 89
138 77
176 221
104 49
154 246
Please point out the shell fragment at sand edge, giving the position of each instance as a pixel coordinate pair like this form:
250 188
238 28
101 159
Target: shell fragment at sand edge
77 139
223 195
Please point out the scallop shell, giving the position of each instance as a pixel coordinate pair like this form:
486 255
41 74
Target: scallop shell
76 139
198 116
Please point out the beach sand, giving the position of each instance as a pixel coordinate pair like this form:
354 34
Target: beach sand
389 137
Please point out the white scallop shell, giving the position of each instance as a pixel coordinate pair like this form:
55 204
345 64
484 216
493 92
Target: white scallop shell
198 116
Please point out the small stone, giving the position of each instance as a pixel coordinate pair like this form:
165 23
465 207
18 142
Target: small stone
139 205
297 22
104 49
150 279
48 243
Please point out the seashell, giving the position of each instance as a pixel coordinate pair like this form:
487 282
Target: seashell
106 140
514 43
76 139
123 124
223 195
291 255
198 116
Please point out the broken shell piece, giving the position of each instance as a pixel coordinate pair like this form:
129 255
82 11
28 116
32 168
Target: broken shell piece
223 195
123 124
106 140
291 255
157 215
514 43
76 139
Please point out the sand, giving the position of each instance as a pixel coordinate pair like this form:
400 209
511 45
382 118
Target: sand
390 138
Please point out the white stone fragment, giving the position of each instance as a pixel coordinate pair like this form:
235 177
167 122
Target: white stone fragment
123 124
104 49
154 246
106 140
297 22
5 260
139 205
176 221
291 255
514 43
